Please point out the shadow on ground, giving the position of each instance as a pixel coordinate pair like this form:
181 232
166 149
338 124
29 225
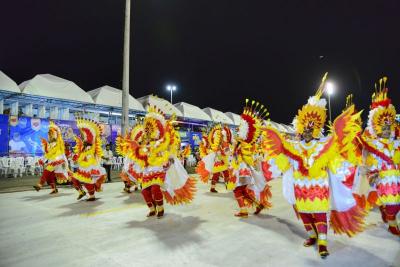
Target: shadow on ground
171 228
80 207
42 196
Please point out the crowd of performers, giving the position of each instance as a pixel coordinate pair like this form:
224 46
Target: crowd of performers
331 179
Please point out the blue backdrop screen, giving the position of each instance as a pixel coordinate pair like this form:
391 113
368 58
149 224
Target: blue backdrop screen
3 135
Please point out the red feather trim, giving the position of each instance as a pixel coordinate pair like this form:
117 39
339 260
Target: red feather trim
266 172
326 147
250 122
383 103
303 170
202 172
376 152
182 195
349 222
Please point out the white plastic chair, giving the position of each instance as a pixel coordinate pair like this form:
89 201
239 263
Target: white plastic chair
3 168
16 167
119 162
30 165
191 161
114 163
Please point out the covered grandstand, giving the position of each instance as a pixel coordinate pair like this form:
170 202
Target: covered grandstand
25 111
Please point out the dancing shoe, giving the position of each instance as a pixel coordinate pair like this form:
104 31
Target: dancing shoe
213 190
81 194
310 241
91 198
323 251
259 209
151 213
160 214
55 191
242 214
394 230
37 188
127 190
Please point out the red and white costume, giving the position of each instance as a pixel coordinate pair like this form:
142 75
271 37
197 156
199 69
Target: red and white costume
314 173
55 162
151 150
215 151
88 153
248 180
383 158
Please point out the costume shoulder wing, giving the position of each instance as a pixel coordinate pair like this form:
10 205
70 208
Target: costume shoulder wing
45 145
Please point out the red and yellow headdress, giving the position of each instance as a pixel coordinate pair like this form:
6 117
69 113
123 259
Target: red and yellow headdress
90 130
219 136
54 130
154 123
251 121
313 114
382 112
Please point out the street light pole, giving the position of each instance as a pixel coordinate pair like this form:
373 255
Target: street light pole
329 105
171 88
125 75
330 89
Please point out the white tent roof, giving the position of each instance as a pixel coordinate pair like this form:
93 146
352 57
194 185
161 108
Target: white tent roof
162 104
192 112
234 117
110 96
7 84
282 127
52 86
218 116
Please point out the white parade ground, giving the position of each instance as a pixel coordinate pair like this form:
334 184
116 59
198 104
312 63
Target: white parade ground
37 229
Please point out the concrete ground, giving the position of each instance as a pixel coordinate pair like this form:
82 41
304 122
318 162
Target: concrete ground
25 183
41 230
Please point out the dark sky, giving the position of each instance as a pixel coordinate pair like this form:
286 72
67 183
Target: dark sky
218 52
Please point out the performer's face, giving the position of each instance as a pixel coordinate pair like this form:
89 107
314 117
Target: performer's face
386 131
52 136
307 134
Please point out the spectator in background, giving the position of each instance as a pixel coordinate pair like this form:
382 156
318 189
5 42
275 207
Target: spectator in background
107 161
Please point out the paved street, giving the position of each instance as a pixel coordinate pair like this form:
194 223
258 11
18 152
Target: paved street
41 230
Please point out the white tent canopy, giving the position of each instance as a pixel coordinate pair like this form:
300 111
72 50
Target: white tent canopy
7 84
161 103
218 116
52 86
192 112
234 117
110 96
282 127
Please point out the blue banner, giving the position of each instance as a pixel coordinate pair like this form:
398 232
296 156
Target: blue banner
195 139
4 135
25 136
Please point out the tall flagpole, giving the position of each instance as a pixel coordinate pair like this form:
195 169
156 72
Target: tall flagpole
125 76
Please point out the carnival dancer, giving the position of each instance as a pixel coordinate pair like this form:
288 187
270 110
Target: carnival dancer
55 163
308 182
88 153
152 148
249 183
215 151
122 146
383 158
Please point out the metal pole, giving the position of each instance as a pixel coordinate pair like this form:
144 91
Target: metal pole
125 75
329 105
171 96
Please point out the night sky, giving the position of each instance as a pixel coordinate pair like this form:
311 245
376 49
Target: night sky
218 52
